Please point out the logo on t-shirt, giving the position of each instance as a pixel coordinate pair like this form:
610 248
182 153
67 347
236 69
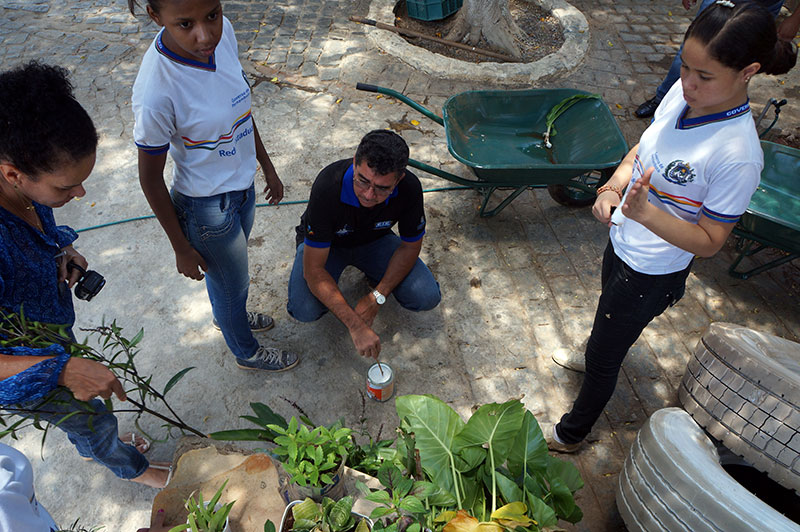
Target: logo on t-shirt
679 172
384 225
346 230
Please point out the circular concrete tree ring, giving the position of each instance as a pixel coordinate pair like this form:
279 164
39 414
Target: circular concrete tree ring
576 42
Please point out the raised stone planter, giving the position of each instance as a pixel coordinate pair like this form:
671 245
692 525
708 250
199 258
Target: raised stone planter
576 43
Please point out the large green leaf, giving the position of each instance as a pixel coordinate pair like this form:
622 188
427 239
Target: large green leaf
493 425
434 425
509 489
529 451
566 471
541 513
560 494
535 486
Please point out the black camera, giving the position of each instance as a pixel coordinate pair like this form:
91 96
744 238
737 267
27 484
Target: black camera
89 284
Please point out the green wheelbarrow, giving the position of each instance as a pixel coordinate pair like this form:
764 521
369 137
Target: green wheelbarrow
773 217
499 135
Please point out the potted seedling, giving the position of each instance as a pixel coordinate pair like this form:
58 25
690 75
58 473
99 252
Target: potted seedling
313 458
211 516
325 516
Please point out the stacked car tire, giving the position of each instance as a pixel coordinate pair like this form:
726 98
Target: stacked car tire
743 387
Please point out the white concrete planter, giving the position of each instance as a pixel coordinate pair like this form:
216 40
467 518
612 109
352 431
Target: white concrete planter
576 43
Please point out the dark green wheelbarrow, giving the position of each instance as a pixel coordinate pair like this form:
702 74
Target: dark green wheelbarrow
499 134
773 217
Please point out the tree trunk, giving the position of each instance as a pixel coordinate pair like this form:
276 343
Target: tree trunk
489 19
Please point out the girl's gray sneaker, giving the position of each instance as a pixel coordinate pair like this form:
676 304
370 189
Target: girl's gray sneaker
258 322
269 359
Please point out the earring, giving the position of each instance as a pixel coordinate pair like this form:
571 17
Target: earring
747 80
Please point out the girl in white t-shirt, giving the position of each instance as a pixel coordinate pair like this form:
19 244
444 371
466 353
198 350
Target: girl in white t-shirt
191 98
677 194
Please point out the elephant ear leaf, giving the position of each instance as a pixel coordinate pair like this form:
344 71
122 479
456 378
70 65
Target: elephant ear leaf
434 425
542 514
529 451
566 471
495 426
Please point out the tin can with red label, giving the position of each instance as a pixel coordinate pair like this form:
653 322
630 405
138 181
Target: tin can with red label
380 382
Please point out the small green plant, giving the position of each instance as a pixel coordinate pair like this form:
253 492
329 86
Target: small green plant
206 517
401 503
366 458
327 516
310 456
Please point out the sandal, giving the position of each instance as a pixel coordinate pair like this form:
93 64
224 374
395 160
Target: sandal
132 439
163 466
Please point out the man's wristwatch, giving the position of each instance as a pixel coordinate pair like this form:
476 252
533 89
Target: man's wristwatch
379 298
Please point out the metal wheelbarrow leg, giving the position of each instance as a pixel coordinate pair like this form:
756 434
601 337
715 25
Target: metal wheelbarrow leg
745 251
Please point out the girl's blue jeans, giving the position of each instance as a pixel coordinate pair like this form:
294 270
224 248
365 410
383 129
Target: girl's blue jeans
628 302
418 291
95 436
218 228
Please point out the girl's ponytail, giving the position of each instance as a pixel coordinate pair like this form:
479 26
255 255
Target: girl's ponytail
784 57
740 34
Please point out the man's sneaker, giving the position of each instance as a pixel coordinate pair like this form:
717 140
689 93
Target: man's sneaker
570 359
258 322
553 444
269 359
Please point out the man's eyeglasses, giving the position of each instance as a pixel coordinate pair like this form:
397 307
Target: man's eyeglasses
364 184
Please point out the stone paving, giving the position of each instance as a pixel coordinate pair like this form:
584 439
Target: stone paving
516 287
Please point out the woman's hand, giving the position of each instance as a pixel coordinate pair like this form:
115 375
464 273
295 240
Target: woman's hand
88 379
190 263
65 274
603 204
636 205
274 188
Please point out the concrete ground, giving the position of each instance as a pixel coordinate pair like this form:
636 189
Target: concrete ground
537 262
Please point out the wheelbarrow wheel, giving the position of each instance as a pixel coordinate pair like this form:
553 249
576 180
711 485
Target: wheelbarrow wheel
577 196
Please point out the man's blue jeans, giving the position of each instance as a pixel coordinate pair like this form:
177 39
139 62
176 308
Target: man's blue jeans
674 73
218 228
418 291
95 436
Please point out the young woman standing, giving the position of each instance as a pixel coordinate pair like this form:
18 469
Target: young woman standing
680 191
191 98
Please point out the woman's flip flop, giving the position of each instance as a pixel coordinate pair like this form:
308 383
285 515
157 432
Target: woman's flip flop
132 439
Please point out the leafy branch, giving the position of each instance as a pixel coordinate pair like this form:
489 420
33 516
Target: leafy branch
115 352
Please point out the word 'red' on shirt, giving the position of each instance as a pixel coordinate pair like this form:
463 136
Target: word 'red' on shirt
335 217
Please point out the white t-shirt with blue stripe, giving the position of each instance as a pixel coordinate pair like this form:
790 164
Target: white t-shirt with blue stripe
200 112
705 166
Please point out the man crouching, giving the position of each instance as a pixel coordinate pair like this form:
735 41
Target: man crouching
353 206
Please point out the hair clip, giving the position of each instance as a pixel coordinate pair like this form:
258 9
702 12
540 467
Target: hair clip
726 3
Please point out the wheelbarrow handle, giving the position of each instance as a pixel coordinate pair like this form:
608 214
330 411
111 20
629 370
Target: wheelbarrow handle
403 98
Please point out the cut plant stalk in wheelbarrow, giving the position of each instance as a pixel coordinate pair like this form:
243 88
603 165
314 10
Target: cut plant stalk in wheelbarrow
503 137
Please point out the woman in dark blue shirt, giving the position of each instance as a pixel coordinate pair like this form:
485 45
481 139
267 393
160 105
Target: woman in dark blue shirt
47 150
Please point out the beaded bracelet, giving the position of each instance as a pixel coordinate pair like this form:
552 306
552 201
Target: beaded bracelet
607 187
